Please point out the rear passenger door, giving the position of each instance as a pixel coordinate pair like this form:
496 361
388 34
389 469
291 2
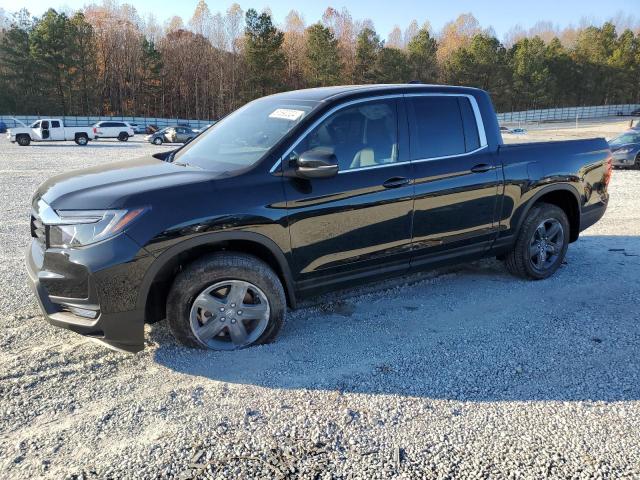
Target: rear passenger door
456 181
56 131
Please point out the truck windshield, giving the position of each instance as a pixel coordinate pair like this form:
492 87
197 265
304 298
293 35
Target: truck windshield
242 138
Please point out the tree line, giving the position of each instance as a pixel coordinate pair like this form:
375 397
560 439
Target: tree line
108 60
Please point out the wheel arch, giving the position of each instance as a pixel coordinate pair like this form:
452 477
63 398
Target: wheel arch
563 196
161 274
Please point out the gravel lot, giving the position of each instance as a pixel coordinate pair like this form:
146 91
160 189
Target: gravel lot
462 372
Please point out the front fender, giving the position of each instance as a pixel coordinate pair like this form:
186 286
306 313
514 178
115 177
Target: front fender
166 258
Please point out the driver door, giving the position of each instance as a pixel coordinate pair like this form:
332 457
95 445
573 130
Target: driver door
357 223
36 133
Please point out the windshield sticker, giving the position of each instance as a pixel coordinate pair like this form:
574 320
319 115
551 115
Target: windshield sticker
287 114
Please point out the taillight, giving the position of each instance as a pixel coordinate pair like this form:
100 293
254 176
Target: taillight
608 171
95 130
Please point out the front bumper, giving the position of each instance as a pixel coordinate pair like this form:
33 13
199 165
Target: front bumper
623 160
66 282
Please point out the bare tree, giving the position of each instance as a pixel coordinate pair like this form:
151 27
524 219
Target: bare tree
395 38
294 48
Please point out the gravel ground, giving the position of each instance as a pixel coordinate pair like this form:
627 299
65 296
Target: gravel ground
462 372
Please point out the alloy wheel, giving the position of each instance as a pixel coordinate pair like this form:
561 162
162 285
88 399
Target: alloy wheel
229 315
546 244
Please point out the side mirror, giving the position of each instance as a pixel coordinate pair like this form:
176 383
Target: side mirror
316 164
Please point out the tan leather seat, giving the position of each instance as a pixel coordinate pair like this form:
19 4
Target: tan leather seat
364 158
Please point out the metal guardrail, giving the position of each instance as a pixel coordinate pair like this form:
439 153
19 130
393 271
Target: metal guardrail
76 121
566 113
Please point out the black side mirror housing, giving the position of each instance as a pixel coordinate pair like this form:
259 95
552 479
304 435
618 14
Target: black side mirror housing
316 164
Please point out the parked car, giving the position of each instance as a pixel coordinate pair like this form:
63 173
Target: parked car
176 134
112 129
635 112
626 149
49 130
299 193
513 131
3 127
157 138
137 128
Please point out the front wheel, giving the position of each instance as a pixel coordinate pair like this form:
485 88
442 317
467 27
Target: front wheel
637 162
157 141
23 140
542 243
226 301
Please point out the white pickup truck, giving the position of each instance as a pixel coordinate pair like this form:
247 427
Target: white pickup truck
50 130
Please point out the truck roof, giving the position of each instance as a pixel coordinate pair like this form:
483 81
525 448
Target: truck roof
322 94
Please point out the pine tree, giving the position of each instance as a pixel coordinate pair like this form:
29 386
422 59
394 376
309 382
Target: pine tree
18 79
368 48
423 64
263 54
51 49
323 60
392 66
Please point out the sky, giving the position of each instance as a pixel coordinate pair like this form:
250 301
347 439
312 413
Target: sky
500 14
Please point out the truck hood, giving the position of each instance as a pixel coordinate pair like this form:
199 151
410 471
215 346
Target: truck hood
624 145
116 185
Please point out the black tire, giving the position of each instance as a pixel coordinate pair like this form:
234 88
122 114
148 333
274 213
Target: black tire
218 267
518 261
637 162
123 136
81 140
23 140
157 141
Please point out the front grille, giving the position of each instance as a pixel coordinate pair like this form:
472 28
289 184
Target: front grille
38 229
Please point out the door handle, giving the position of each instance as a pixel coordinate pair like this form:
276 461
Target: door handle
481 168
395 182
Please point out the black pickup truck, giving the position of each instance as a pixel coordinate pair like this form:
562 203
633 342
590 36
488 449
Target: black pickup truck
298 193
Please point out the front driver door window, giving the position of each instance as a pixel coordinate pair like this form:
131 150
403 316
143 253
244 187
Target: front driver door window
364 135
362 215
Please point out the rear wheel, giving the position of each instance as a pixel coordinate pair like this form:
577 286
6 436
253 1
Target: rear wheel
81 140
123 136
542 243
23 140
226 301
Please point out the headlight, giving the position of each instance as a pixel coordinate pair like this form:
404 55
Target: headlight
76 228
624 151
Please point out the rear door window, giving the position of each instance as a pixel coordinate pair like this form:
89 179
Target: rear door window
55 124
441 126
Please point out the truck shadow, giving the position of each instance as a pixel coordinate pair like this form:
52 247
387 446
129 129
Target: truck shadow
468 333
